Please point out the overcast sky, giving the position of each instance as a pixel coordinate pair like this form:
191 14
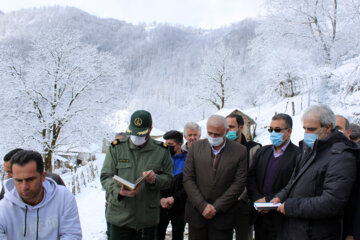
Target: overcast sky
196 13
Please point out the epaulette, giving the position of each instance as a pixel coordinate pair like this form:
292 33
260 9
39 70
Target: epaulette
164 145
118 141
115 142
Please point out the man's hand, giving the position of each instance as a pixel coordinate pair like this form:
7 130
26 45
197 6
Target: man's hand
129 193
349 237
209 211
275 200
163 202
281 208
171 201
262 211
261 200
151 178
167 202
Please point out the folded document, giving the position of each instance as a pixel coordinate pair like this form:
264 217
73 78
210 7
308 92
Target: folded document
266 205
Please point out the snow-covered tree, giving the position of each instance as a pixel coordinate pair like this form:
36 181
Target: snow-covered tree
215 83
305 39
60 91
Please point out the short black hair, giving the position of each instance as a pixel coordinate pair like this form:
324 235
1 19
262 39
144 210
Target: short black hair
8 156
239 118
176 135
285 117
23 157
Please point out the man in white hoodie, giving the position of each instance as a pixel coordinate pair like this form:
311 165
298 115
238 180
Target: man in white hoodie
34 206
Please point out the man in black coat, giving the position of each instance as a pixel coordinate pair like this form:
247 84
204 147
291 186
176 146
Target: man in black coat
244 226
270 172
351 217
315 197
173 200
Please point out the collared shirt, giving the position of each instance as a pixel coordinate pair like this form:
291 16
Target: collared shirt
276 155
216 152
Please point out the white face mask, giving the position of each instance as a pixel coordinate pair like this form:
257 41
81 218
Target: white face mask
138 141
215 141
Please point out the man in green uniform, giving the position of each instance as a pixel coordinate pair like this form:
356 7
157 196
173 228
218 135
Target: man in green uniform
134 214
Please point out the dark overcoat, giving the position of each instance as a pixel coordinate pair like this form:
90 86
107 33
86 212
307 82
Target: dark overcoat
220 188
319 190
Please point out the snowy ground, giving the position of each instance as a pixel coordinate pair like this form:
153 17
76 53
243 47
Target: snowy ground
91 204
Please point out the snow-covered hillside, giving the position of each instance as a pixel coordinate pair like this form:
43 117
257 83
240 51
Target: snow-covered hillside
69 79
177 73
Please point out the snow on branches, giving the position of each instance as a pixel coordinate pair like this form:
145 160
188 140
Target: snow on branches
60 90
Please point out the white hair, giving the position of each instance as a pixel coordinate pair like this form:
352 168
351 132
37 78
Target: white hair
192 126
322 113
216 120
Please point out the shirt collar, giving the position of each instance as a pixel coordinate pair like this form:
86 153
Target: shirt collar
216 152
281 151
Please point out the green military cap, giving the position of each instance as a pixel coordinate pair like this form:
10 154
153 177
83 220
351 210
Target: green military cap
140 123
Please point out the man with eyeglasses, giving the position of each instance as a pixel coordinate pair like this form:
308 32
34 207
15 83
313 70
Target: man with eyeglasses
270 172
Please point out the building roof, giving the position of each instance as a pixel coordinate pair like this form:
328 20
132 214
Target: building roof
223 112
226 111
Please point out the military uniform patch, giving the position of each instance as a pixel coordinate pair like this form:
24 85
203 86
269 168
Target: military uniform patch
160 143
115 142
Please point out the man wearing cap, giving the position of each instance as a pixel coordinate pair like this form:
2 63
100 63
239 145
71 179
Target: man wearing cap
134 214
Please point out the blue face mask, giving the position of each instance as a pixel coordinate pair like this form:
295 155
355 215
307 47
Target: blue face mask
310 138
276 138
232 135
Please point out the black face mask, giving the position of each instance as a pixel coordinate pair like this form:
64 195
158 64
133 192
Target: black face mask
172 150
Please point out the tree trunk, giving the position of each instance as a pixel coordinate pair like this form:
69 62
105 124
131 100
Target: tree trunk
48 161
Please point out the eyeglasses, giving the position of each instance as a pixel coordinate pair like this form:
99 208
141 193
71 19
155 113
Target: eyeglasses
276 129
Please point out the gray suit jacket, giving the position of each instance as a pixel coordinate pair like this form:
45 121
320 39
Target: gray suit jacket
220 188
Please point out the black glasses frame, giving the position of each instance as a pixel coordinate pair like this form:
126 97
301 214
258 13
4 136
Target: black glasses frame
277 130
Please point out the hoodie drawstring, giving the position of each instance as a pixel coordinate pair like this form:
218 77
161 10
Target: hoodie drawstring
26 210
37 224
